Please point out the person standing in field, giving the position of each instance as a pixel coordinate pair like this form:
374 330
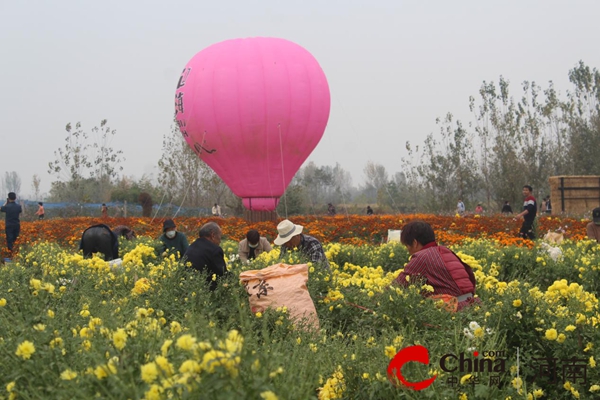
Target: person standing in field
12 221
104 211
460 207
330 209
506 208
40 212
528 214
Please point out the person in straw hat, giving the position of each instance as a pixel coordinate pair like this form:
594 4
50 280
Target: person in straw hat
290 237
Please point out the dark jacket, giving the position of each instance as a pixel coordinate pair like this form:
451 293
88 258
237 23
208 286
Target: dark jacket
100 239
207 258
12 211
178 244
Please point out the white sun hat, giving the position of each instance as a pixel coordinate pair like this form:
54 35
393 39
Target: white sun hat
287 230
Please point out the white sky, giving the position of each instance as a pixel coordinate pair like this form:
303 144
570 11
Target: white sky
392 66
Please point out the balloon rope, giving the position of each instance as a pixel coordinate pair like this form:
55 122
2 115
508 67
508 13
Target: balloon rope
282 171
158 209
186 193
190 184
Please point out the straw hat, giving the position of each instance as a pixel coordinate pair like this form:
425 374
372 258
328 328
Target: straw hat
287 230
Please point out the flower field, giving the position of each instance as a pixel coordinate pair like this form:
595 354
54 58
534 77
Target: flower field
79 328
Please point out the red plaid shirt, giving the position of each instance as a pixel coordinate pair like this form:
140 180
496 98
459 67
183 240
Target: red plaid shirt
427 264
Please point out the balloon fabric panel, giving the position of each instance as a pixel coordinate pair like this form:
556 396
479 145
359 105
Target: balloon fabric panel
254 109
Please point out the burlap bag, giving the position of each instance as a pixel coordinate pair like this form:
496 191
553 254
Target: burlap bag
282 285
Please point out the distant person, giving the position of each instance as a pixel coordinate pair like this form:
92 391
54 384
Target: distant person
506 208
12 226
543 205
206 255
548 205
253 245
369 210
330 209
40 212
479 209
593 228
174 242
290 237
460 207
528 213
104 210
216 211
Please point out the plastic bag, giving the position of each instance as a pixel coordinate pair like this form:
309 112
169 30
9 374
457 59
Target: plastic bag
282 285
393 235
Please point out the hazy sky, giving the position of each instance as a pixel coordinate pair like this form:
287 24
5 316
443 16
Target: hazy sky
392 66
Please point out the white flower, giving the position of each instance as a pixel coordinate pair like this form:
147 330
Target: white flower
471 349
473 325
489 331
519 315
468 334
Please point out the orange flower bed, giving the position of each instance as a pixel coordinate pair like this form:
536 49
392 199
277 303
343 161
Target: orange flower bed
352 229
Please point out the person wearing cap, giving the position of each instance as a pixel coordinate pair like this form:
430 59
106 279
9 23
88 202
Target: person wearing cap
528 214
254 244
593 228
436 266
290 237
206 255
174 242
12 226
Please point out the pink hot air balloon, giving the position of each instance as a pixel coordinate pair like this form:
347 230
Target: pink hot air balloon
253 110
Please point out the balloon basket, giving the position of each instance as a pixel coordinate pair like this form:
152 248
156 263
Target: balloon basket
260 216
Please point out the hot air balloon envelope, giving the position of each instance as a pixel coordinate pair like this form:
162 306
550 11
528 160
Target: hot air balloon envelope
253 110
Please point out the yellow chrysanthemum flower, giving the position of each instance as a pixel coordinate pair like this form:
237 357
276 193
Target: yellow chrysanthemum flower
186 342
268 395
551 334
68 375
25 350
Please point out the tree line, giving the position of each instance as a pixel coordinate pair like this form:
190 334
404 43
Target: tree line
511 140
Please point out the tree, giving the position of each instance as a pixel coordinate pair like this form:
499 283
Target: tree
582 112
376 179
186 179
35 186
86 160
11 182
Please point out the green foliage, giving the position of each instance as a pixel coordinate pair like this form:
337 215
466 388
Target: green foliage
70 309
